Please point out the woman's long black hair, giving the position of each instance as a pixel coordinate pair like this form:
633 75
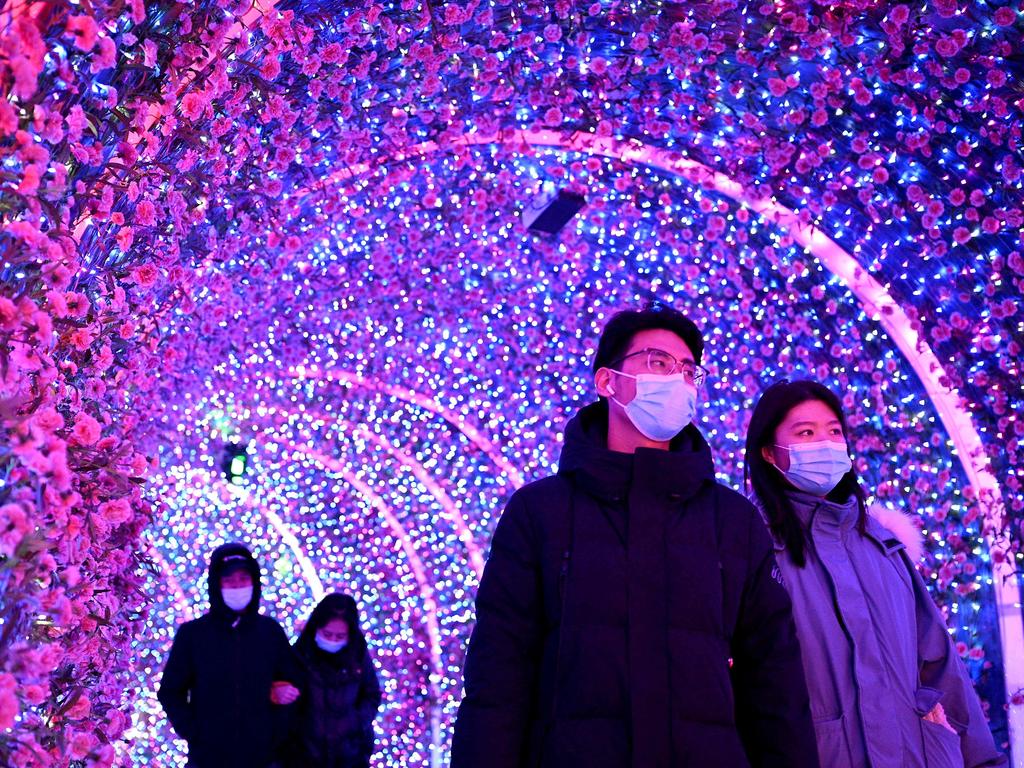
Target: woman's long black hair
335 606
768 483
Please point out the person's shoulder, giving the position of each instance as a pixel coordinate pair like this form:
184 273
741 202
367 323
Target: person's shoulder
267 625
197 624
192 630
893 528
732 503
742 519
539 490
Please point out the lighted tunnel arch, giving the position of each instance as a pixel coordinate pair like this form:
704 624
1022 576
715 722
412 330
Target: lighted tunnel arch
426 591
873 297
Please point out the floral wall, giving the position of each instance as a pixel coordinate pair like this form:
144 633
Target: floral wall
298 227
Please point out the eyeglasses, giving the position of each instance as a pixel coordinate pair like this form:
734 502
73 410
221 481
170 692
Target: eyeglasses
662 363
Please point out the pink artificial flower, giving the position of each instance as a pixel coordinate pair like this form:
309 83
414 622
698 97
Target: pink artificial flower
95 388
9 315
947 47
145 275
83 28
117 511
34 694
106 57
899 15
82 707
26 57
13 527
8 118
139 466
149 52
86 430
125 237
271 67
29 181
81 338
1005 16
104 757
78 304
145 213
311 66
81 744
8 701
194 104
48 420
777 86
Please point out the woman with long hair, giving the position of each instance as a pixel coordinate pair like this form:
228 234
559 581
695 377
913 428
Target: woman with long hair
887 687
341 693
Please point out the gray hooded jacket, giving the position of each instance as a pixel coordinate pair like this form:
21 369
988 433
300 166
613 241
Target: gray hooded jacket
876 652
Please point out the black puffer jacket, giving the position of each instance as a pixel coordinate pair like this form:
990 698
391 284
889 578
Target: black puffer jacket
336 717
216 684
340 701
630 614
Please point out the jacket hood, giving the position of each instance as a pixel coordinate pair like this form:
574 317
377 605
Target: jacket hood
831 517
586 459
218 564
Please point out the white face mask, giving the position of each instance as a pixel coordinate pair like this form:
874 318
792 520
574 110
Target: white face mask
817 467
329 646
237 598
663 405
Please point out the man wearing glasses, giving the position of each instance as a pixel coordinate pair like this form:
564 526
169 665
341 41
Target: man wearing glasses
630 613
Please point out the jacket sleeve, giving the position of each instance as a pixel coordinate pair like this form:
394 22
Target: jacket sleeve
502 662
176 682
287 667
773 712
369 693
943 672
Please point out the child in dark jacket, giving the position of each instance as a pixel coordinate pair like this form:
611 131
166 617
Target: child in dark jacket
342 694
228 679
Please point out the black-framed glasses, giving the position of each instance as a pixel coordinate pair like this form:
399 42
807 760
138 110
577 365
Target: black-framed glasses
662 363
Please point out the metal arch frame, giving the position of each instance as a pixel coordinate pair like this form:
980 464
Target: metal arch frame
429 614
449 510
457 420
877 303
465 535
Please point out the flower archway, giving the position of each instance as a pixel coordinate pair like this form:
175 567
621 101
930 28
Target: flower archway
299 227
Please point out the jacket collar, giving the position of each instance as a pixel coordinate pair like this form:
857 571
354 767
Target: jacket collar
587 461
830 517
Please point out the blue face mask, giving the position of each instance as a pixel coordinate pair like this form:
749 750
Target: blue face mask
329 646
237 598
816 467
663 405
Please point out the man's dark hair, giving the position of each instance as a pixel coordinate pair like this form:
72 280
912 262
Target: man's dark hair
621 329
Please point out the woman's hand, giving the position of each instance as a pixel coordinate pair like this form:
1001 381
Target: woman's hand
938 716
283 692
